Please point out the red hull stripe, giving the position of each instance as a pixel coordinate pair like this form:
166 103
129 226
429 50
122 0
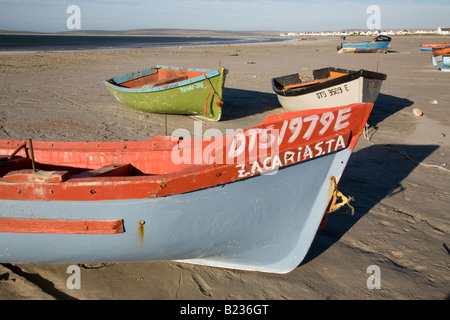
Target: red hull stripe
61 226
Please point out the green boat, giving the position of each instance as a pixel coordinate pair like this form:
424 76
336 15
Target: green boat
172 90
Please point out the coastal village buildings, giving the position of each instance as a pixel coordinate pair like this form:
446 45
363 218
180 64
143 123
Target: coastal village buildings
440 31
443 30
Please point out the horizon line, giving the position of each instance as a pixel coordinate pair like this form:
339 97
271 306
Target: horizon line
129 31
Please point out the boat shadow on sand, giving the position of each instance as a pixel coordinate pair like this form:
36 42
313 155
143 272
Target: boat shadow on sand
369 177
240 103
385 106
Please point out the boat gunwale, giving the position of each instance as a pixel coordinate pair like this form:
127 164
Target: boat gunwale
207 74
434 45
94 189
350 76
199 176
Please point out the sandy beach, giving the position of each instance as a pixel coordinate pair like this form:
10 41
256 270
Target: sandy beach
398 174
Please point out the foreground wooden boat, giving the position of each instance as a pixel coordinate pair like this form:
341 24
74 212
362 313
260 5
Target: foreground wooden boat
431 46
379 44
362 50
250 201
327 87
172 90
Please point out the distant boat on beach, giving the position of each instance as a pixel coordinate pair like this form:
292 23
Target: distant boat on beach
441 51
327 87
248 202
379 44
172 90
444 63
438 53
431 46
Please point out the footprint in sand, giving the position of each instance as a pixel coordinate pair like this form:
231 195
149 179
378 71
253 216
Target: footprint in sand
203 286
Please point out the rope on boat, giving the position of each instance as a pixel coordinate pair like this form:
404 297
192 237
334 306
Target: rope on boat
403 153
333 206
218 103
344 201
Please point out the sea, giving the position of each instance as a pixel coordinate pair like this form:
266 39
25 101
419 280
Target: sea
10 42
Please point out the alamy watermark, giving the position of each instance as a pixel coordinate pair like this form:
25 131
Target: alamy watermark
374 280
236 147
74 20
74 280
374 20
260 143
263 149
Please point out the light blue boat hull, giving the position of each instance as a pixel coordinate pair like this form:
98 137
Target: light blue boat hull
366 45
444 64
264 223
378 44
434 60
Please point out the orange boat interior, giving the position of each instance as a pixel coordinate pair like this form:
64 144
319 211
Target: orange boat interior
88 159
441 51
161 77
309 80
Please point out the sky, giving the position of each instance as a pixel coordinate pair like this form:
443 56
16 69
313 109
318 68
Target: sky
246 15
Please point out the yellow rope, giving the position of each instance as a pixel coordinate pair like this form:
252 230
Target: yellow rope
344 202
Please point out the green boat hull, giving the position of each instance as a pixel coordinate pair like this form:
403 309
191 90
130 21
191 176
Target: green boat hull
199 96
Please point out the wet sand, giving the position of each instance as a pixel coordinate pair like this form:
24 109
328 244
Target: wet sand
398 175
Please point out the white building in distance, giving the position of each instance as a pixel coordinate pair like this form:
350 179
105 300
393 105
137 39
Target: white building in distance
443 31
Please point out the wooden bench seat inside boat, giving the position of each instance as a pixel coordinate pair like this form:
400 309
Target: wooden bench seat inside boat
168 80
106 171
62 175
38 176
173 79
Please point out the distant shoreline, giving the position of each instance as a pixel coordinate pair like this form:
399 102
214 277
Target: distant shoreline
149 32
52 42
